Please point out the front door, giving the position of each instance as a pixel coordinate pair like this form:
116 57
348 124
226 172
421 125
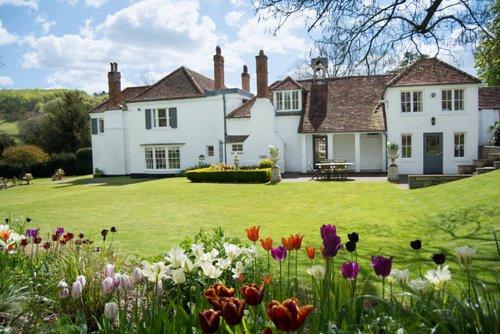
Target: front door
433 153
319 149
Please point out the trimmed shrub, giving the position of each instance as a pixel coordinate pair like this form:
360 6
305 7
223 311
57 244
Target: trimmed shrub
65 161
241 176
7 171
84 161
265 164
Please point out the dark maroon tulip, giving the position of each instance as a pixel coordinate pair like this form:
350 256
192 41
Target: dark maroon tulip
439 258
232 310
331 244
104 233
350 246
416 245
268 330
381 265
46 245
24 242
78 242
28 219
36 241
353 237
81 235
6 220
55 237
113 229
253 293
209 321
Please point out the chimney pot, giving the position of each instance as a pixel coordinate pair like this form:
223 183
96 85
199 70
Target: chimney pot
218 69
262 85
114 85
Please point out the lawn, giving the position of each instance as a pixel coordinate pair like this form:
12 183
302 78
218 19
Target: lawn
152 216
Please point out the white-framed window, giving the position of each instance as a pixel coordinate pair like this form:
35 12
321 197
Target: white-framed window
210 150
162 158
459 144
288 100
406 147
161 118
453 100
101 125
237 148
412 102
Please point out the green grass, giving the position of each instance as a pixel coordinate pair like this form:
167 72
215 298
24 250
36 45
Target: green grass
152 216
10 128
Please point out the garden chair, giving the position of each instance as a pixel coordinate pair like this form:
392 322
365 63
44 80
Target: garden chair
315 171
3 183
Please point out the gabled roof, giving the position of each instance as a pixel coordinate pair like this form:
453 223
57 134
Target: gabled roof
243 110
181 83
127 94
287 83
489 97
431 71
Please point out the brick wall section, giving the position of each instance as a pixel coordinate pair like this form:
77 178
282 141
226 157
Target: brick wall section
114 87
218 69
262 85
245 79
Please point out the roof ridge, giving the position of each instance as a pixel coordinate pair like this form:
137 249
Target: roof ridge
156 83
193 81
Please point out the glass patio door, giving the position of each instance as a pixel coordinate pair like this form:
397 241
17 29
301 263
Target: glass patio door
320 149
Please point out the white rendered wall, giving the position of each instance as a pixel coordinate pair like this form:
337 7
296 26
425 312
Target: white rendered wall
286 128
487 119
447 123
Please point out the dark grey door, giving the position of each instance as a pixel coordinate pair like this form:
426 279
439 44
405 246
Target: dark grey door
319 149
433 153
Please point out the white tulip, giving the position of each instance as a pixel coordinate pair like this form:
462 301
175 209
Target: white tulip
211 271
109 270
318 272
239 268
232 251
419 286
63 291
464 255
107 287
197 250
178 276
439 278
110 310
154 272
401 276
175 257
76 290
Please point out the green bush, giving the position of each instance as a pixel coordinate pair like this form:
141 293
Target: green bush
65 161
243 176
9 170
84 161
265 164
496 135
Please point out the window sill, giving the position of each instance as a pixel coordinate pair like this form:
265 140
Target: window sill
406 160
453 113
160 129
419 113
161 170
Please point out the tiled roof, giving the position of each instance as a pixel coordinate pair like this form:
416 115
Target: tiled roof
243 110
344 104
181 83
489 97
236 139
431 71
127 94
287 83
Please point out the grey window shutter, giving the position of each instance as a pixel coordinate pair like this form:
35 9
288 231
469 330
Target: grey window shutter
94 125
148 119
173 118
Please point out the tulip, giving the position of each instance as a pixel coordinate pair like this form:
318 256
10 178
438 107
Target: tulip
289 243
69 236
104 233
268 330
232 310
238 269
209 321
350 270
297 242
267 279
155 272
216 293
267 244
159 287
24 242
175 257
113 229
63 241
124 282
332 245
46 245
109 270
251 252
55 237
116 280
232 251
279 253
253 294
110 310
76 290
253 233
311 252
28 219
464 255
107 287
36 240
350 246
401 276
178 276
439 278
416 245
318 272
63 291
327 231
210 270
82 281
59 231
197 249
381 265
353 237
239 278
439 258
137 275
32 233
288 316
81 235
419 286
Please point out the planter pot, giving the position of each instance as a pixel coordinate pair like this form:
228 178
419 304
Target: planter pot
392 153
274 155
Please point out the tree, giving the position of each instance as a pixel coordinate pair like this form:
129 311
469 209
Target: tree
487 57
366 32
67 127
6 141
24 154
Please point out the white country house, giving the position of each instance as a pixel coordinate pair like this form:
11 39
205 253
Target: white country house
430 109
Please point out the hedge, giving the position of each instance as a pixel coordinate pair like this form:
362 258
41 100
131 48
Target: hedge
66 161
84 161
242 176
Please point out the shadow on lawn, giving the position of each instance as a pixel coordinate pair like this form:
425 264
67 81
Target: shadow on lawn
121 181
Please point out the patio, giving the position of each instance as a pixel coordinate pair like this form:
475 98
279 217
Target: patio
378 177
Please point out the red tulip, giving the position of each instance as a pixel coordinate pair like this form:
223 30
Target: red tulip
253 294
311 252
288 316
55 237
253 233
232 310
267 244
289 244
24 242
297 242
240 278
209 321
215 294
268 330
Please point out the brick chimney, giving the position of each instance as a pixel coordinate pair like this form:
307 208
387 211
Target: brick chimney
262 85
218 69
115 92
245 79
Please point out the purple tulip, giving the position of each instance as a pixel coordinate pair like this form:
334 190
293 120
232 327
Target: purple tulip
381 265
350 246
353 237
279 253
350 270
63 290
107 287
416 245
328 230
439 258
28 219
32 233
59 231
332 245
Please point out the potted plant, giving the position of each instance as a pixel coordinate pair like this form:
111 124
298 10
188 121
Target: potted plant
392 150
236 161
59 173
28 177
274 152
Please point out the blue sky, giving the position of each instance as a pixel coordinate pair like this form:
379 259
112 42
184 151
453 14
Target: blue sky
70 43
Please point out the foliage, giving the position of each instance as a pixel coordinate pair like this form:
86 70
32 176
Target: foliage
496 135
65 161
6 140
98 173
199 165
392 146
487 56
29 126
67 128
84 161
369 32
24 154
208 175
266 163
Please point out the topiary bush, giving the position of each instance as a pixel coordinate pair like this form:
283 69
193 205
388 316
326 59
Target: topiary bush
265 164
242 176
496 135
84 161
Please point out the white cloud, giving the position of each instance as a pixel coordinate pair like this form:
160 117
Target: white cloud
41 18
46 26
5 36
238 3
6 81
95 3
19 3
233 18
87 30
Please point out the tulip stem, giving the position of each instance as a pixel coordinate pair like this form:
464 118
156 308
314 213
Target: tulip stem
419 266
281 283
383 287
288 280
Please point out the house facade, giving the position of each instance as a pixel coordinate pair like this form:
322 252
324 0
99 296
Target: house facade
430 109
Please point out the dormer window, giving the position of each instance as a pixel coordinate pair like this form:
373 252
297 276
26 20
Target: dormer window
287 100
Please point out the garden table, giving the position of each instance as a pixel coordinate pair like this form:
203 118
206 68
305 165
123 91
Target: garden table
337 169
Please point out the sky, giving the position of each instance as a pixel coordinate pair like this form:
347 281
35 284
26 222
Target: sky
70 43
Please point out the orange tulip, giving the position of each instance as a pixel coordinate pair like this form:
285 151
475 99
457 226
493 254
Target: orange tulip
311 252
288 316
11 247
240 278
267 279
5 235
297 241
253 293
322 254
267 244
253 233
289 244
217 293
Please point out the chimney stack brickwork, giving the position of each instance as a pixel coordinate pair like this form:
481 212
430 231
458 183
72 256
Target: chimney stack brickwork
245 79
262 85
114 86
218 69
